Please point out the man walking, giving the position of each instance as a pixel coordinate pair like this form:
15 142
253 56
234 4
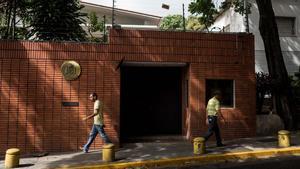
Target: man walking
213 111
98 126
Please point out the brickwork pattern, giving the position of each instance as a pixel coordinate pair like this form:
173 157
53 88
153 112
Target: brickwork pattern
33 119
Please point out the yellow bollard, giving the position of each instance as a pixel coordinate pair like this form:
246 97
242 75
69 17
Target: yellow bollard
12 158
283 138
108 153
199 145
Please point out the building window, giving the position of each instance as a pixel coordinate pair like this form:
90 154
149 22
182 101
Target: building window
227 89
286 26
226 28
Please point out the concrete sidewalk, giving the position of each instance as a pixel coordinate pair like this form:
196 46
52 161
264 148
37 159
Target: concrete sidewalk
162 152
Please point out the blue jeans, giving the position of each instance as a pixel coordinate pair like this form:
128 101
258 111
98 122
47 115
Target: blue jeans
95 130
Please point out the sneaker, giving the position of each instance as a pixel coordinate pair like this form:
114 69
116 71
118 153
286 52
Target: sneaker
83 149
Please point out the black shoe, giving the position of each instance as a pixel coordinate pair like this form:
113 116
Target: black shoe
221 145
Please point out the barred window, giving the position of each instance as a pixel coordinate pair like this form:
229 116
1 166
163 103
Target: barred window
286 26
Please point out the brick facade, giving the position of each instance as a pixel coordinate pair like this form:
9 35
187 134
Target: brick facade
33 119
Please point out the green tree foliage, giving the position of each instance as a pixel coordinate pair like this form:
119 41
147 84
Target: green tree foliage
175 22
172 22
194 24
206 11
263 87
239 6
2 16
57 20
2 25
96 25
295 82
13 12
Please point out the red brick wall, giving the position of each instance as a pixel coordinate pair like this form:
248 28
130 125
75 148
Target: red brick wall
32 87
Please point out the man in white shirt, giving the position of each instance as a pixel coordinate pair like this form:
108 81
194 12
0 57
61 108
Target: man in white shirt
98 126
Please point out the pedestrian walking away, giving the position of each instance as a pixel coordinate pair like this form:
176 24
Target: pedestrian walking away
98 126
213 111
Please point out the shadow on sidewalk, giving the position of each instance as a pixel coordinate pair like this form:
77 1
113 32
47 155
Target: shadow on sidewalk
25 165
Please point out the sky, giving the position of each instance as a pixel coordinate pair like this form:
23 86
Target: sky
148 6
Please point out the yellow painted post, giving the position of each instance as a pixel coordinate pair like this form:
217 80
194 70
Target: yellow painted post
12 158
108 153
283 138
199 145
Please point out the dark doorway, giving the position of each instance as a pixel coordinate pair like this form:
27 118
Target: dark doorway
151 101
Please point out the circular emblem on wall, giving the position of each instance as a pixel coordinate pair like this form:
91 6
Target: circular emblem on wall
70 70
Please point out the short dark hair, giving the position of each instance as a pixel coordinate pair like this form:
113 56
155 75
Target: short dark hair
94 94
217 92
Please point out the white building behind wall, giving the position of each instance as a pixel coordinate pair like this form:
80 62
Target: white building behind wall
287 14
124 18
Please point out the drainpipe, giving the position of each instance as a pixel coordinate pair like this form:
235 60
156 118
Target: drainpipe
246 19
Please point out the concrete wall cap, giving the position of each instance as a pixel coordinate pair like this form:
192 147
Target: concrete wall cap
283 132
13 151
199 139
108 146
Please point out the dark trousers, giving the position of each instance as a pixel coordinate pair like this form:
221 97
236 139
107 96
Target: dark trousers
213 128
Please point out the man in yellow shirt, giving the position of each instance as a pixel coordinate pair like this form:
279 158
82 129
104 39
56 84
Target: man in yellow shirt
98 126
213 111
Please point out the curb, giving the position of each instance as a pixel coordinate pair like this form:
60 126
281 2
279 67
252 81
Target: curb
203 159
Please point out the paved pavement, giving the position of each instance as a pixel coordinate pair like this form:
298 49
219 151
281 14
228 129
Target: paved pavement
157 149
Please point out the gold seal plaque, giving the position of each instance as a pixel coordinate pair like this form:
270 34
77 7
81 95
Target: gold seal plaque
70 70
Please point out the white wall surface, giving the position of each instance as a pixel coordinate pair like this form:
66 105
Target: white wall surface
120 18
229 17
287 8
290 45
